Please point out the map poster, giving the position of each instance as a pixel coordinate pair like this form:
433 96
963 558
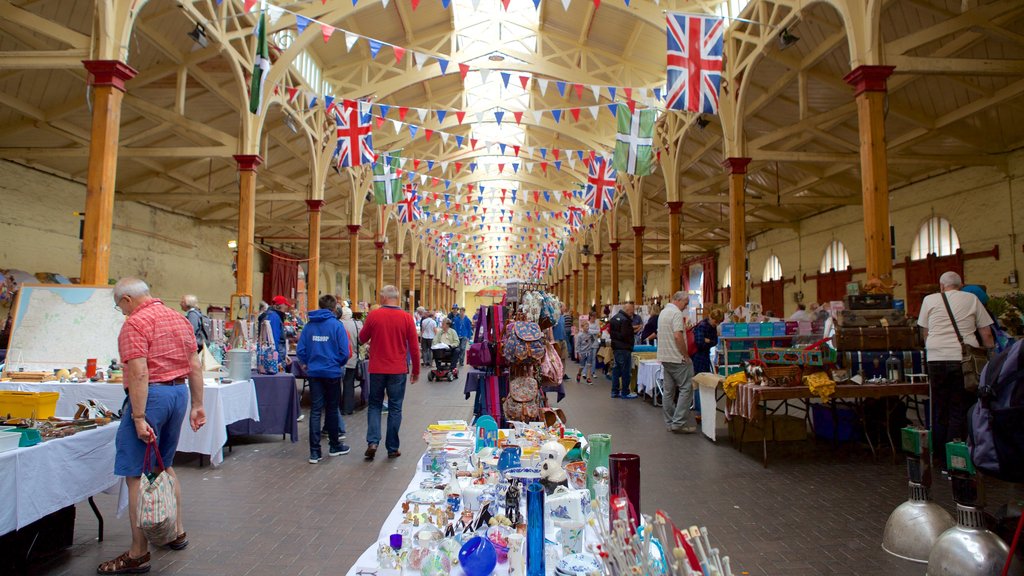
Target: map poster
62 326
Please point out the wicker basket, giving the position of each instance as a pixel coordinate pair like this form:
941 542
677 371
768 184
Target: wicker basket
782 375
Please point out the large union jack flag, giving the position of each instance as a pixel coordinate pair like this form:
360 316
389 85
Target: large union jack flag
694 62
355 139
409 206
600 185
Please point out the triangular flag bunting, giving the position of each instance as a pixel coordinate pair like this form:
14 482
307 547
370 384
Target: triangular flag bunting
463 70
350 40
443 65
327 31
301 22
375 47
399 51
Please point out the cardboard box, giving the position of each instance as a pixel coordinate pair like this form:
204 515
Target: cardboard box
742 330
780 428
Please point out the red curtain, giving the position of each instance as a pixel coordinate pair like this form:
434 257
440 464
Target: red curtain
923 277
772 298
832 285
283 277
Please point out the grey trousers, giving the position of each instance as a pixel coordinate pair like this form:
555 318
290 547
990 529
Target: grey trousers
677 378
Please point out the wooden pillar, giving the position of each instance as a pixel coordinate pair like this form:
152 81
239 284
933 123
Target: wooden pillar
597 282
107 78
869 84
398 278
585 301
737 229
675 256
353 264
313 254
247 164
379 253
615 271
412 287
431 292
638 268
423 288
576 291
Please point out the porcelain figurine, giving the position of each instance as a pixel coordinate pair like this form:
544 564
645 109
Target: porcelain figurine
552 476
512 503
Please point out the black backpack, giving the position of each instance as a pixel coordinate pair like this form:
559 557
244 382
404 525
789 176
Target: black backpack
997 419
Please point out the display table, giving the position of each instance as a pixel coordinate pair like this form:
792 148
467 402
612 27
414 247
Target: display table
752 403
278 402
224 404
42 479
648 376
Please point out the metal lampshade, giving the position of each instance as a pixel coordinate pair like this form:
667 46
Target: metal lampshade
914 526
968 549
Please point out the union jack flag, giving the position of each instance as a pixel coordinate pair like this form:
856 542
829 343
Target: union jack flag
409 207
600 185
694 62
355 140
574 217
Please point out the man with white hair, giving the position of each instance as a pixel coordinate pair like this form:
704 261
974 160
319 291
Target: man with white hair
190 306
950 401
158 351
677 366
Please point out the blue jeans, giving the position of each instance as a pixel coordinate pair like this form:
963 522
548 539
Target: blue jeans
461 353
325 393
621 371
394 386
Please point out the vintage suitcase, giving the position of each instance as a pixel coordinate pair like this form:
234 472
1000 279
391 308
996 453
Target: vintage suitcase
868 318
878 338
868 302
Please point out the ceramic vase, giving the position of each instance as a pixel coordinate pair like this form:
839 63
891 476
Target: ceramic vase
599 447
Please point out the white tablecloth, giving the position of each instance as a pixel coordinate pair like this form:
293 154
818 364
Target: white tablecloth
707 385
648 372
224 404
44 478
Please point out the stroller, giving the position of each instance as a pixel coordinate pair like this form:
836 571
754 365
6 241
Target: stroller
444 365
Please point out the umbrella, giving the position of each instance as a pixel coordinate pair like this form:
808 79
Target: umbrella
491 292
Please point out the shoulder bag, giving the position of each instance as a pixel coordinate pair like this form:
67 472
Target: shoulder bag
267 361
158 507
972 358
523 344
479 355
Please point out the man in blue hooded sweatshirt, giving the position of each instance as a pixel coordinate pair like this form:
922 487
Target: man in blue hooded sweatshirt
324 349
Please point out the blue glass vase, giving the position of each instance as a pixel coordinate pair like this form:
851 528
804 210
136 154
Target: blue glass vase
535 530
477 557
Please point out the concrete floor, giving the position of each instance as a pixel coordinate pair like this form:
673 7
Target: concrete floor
266 511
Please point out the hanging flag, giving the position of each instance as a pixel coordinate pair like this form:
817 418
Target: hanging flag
694 62
409 207
260 68
386 186
634 142
355 139
600 185
574 217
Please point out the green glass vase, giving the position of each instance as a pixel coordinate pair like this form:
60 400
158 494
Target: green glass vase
599 447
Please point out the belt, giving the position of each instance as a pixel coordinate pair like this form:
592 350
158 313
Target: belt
169 382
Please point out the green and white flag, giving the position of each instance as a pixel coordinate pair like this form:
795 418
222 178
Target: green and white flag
260 68
634 142
386 186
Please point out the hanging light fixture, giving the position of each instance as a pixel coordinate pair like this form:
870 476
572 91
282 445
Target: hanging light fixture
198 35
290 122
702 122
787 39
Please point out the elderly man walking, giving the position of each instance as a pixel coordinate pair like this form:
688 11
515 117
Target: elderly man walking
391 333
676 365
158 350
950 401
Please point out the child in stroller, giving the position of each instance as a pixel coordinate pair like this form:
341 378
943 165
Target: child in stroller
445 365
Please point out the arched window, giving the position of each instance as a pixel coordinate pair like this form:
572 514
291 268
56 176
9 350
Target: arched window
835 258
772 269
936 236
727 281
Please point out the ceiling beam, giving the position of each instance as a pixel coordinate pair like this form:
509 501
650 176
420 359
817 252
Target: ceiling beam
45 59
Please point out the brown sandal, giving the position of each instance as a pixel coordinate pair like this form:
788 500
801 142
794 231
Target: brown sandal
125 564
179 543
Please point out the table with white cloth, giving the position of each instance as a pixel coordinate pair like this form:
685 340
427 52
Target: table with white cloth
648 374
224 404
39 480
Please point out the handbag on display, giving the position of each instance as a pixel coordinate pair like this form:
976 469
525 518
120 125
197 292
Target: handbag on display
551 367
972 358
479 355
158 508
523 402
523 344
267 361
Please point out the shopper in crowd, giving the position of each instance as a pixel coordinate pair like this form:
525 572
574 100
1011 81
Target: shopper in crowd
446 335
705 336
801 314
623 336
276 317
650 330
392 336
464 329
586 348
324 350
428 329
157 349
638 326
1000 338
950 401
190 306
348 390
567 323
676 365
559 335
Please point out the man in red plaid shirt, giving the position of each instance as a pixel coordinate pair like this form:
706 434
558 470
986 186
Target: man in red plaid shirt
158 350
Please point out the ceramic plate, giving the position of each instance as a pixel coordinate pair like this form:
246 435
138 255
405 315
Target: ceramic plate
425 496
579 564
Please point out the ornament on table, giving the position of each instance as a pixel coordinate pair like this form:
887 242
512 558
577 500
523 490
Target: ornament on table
552 476
512 496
